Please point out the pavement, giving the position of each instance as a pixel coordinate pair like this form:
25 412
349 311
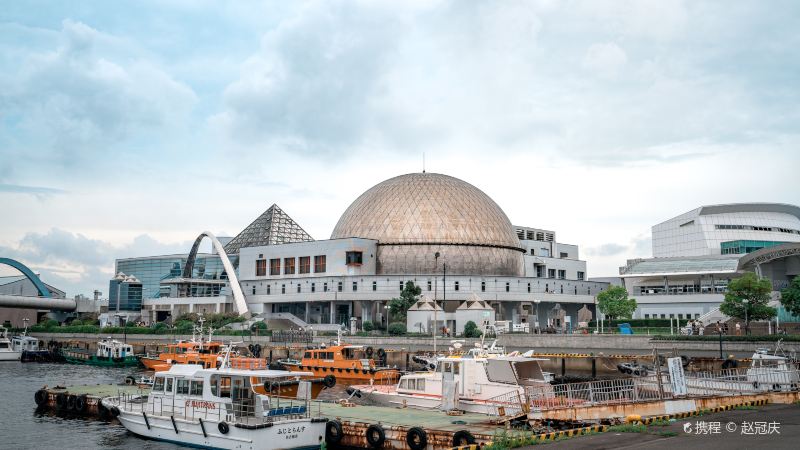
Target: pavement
771 426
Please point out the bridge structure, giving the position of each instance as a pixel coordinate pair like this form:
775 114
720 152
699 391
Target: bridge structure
43 301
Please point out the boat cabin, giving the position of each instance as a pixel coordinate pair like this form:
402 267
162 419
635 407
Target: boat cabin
340 356
25 343
109 348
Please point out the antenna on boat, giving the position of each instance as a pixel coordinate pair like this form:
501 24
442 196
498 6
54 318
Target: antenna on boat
226 360
25 331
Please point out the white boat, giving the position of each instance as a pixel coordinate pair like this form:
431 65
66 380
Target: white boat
7 351
222 408
478 382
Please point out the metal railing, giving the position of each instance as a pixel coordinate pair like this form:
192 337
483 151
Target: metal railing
511 404
648 388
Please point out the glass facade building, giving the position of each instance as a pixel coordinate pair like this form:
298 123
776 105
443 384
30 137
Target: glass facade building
130 295
152 270
742 247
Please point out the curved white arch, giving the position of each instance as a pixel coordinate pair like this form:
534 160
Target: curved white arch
233 280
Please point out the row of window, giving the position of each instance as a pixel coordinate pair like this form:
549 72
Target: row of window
303 265
456 287
670 316
164 385
757 228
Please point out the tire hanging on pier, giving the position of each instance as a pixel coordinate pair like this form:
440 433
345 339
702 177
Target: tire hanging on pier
61 401
381 353
329 381
223 428
333 432
40 397
130 380
81 404
375 436
71 400
417 438
463 437
369 352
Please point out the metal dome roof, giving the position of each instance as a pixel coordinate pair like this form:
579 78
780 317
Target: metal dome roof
427 208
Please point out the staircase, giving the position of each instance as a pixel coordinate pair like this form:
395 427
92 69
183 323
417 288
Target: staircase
285 321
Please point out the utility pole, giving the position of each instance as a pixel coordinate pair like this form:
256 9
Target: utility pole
657 364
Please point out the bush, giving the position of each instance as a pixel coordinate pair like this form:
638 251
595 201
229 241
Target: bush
397 329
260 326
639 322
471 330
715 337
368 326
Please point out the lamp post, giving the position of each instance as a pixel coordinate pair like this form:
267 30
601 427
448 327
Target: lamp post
537 301
435 288
386 309
746 321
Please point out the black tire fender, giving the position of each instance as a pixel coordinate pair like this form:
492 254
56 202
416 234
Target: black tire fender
223 428
130 380
61 401
369 352
71 400
114 411
381 353
102 411
40 397
463 437
333 432
81 403
417 438
329 381
375 436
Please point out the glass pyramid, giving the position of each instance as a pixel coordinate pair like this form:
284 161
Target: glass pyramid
272 227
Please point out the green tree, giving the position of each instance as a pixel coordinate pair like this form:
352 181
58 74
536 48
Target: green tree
747 299
471 330
614 303
368 326
790 297
398 306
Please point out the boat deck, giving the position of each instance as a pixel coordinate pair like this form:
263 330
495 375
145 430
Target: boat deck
101 390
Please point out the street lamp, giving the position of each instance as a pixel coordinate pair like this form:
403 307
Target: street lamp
746 322
386 309
435 288
537 301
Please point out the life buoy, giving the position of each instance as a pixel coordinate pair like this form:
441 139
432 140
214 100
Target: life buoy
368 351
381 353
40 397
333 432
463 437
329 381
375 436
417 438
81 404
71 401
61 401
223 428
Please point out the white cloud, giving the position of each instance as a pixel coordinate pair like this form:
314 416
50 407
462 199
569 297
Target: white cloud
606 58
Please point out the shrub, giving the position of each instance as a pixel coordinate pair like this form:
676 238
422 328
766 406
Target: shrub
397 329
368 326
259 326
715 337
471 330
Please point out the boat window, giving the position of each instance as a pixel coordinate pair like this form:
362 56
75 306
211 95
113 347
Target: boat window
158 385
168 389
456 368
182 386
197 387
307 355
421 384
225 387
404 384
215 385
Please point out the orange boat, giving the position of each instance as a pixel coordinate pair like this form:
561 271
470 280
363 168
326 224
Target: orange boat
206 354
346 362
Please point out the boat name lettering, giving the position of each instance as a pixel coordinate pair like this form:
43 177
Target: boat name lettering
291 432
200 404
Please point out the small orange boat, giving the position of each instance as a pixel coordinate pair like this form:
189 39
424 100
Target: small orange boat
346 362
206 354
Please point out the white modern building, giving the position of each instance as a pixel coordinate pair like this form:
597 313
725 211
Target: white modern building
441 233
697 254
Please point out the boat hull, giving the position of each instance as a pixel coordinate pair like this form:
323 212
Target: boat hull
382 398
380 376
291 434
10 356
82 357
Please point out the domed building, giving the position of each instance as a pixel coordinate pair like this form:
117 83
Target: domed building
415 216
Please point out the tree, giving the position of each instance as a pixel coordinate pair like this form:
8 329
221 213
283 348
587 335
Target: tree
790 297
747 299
368 326
471 330
614 303
398 306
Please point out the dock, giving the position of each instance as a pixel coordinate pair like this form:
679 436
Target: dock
84 399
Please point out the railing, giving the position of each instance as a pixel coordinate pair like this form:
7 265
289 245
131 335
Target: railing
649 388
258 410
511 404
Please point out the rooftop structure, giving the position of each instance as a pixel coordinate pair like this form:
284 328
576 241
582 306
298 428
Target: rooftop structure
272 227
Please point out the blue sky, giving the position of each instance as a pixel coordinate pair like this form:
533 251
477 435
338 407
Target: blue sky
126 128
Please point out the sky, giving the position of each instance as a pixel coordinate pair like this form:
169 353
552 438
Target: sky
127 128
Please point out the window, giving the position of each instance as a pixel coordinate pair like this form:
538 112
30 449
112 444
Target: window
562 274
551 273
339 286
319 263
455 285
158 385
324 287
508 287
196 388
288 266
254 289
283 289
529 288
581 275
225 387
305 264
313 287
374 285
663 316
168 386
401 286
540 271
564 255
275 266
354 258
261 267
355 286
544 252
647 316
430 285
182 387
268 290
483 286
298 288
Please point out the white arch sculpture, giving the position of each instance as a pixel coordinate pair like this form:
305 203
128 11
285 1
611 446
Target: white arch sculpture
233 280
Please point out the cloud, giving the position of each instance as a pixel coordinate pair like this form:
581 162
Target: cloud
609 249
80 263
34 190
606 59
85 96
